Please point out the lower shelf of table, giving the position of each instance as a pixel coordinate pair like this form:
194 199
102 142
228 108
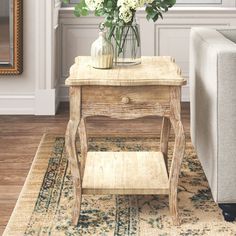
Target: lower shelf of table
125 173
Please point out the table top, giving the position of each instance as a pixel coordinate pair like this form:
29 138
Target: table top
152 71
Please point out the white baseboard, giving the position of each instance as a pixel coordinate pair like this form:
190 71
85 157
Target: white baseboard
17 104
45 102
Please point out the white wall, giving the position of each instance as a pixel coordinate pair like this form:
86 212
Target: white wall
165 37
34 91
50 47
17 92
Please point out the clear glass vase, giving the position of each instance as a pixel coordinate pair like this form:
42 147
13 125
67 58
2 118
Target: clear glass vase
126 44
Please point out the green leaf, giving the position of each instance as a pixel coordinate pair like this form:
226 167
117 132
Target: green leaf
108 24
151 12
81 9
148 17
157 7
109 4
77 12
155 18
84 12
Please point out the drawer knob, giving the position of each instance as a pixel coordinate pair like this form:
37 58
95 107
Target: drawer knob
125 100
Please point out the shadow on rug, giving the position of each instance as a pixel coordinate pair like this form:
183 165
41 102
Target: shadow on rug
45 204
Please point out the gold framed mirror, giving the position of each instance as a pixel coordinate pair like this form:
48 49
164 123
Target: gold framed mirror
11 37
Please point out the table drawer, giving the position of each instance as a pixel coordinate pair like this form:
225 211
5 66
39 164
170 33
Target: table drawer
125 102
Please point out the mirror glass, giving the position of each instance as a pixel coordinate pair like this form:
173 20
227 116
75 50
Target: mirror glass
6 32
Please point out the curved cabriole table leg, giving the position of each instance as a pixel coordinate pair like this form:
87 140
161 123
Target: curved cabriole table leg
74 163
179 148
165 134
74 167
83 144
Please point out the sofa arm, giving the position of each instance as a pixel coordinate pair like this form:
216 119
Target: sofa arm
212 88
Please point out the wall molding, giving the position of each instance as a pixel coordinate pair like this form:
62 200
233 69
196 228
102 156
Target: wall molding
66 27
46 27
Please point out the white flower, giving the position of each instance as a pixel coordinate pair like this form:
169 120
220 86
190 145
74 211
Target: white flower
133 4
127 7
125 14
94 4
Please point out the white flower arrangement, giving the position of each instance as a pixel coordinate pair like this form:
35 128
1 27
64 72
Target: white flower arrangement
126 8
119 14
122 11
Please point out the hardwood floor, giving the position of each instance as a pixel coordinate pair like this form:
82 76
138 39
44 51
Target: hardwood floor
20 137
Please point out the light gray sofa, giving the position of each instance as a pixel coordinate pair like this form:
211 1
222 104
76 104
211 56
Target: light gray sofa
213 110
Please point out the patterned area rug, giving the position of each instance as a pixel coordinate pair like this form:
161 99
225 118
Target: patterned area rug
45 204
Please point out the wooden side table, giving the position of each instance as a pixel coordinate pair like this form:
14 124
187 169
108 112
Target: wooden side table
150 89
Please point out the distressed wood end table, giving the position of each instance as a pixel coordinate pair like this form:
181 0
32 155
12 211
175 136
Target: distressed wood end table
152 88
